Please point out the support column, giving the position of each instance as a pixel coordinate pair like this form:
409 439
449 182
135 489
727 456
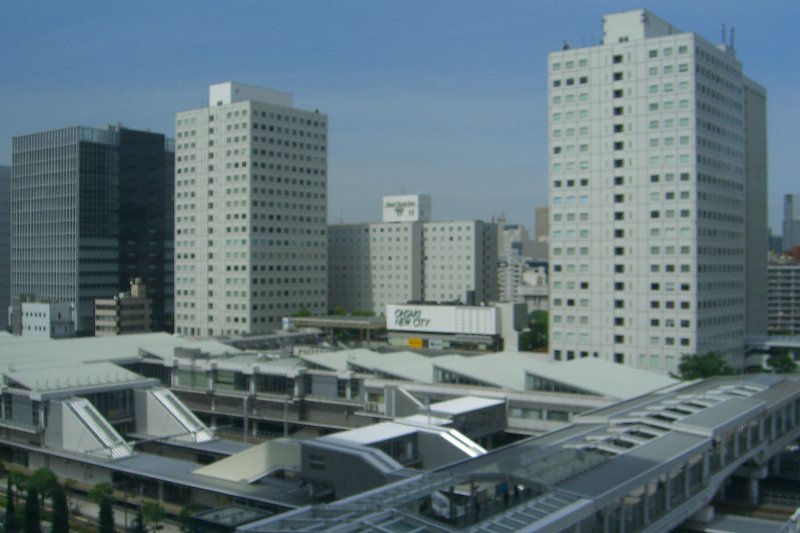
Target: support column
245 421
752 490
775 464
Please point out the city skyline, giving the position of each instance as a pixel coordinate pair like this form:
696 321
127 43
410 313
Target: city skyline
419 96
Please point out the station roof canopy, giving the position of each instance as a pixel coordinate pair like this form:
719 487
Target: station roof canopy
368 323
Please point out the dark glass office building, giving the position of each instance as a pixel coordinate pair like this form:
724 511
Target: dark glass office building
90 210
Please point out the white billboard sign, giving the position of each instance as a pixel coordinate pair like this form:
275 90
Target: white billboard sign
443 319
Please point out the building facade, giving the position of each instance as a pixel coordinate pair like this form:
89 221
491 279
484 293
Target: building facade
783 297
5 244
66 224
128 312
146 213
250 212
44 319
408 258
791 221
651 178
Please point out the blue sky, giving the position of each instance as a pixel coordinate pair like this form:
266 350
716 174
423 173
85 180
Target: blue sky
441 97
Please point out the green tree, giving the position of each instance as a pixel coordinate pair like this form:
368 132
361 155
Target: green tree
153 514
44 481
535 338
782 363
60 510
103 496
701 366
138 523
363 312
339 311
105 516
301 313
100 492
18 479
33 516
185 516
10 524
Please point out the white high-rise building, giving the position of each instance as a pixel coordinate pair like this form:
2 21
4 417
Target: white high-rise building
657 195
407 258
250 212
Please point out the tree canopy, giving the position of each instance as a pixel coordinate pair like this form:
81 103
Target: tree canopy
33 515
10 524
153 514
782 363
701 366
535 338
60 510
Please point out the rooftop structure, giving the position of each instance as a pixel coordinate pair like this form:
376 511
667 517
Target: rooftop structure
650 463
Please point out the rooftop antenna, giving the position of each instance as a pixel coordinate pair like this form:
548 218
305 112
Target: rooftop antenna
724 34
733 32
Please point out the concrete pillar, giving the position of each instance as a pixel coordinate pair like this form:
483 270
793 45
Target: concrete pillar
775 464
161 491
255 428
686 480
752 490
252 387
210 381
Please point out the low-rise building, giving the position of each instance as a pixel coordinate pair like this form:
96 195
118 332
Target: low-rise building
485 328
29 317
128 312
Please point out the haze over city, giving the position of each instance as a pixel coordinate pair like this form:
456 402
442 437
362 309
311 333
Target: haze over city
444 98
